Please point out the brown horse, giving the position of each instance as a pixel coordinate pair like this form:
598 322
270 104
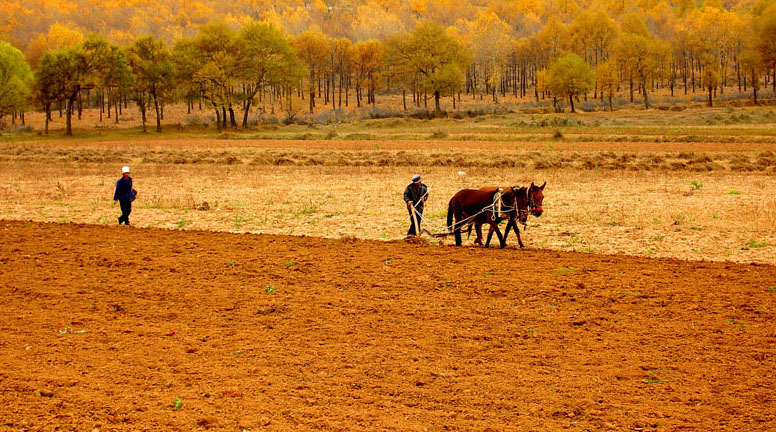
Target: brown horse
478 205
526 201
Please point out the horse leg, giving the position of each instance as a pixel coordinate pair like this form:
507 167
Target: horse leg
457 229
506 233
490 235
510 223
457 217
494 227
519 240
478 227
501 240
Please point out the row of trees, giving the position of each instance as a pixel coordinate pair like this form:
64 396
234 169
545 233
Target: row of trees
25 23
230 70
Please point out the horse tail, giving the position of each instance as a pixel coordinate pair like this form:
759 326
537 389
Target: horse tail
450 215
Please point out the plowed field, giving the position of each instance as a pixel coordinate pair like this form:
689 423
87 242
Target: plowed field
115 328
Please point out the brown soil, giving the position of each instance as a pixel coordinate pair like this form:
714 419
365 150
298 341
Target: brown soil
104 327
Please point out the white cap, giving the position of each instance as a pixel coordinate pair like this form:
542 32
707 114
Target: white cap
124 169
416 178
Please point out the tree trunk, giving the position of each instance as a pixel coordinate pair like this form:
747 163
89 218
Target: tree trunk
711 88
69 112
404 99
158 116
232 121
437 108
646 98
245 114
571 99
48 115
141 105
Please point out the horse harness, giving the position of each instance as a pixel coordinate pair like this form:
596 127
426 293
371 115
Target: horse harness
523 213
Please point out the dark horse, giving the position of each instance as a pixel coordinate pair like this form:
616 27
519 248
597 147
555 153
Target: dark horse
527 200
479 205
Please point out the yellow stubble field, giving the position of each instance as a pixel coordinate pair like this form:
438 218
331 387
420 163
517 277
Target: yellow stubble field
610 189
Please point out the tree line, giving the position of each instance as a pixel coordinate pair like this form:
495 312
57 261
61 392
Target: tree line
231 69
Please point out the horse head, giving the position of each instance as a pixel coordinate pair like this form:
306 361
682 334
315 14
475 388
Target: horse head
520 203
535 195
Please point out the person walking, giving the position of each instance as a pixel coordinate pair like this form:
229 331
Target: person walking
124 194
415 195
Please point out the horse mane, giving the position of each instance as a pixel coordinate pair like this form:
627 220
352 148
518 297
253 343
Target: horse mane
521 193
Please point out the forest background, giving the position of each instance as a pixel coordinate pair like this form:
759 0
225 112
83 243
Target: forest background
258 56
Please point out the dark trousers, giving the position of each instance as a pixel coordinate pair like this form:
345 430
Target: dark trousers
126 209
412 222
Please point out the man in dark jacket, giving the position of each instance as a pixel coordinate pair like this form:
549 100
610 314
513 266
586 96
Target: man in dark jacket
415 196
124 195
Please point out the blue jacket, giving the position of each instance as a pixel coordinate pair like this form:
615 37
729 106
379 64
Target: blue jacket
123 190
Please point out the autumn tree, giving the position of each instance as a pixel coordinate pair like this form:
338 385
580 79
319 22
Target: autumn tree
711 75
552 39
367 59
51 79
430 59
641 58
766 33
633 23
16 79
312 48
184 57
81 68
264 58
341 66
490 41
570 76
59 36
216 74
153 69
117 79
752 66
591 37
607 80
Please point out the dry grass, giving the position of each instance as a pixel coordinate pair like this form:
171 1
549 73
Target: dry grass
751 127
673 211
696 183
395 155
